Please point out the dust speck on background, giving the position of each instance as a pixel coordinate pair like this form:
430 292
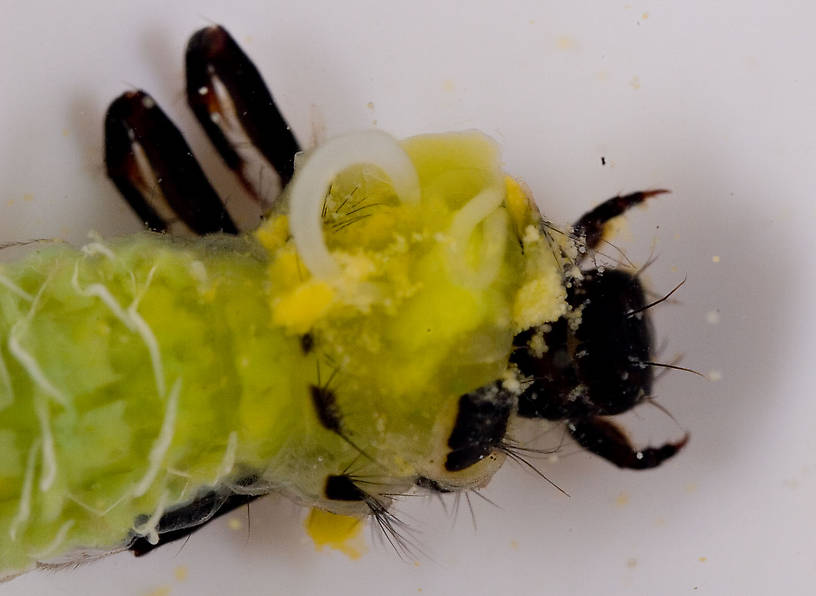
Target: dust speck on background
635 83
712 317
622 499
702 559
715 259
370 105
514 544
566 43
160 591
644 16
448 85
715 375
631 562
181 572
28 197
691 487
235 524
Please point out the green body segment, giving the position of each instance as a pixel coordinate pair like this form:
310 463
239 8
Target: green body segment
137 373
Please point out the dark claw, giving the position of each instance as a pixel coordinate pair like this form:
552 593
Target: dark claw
151 164
605 439
233 104
590 226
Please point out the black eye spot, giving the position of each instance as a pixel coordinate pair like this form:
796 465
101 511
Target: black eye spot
342 488
481 424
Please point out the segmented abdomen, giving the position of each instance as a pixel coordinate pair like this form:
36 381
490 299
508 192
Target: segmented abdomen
122 385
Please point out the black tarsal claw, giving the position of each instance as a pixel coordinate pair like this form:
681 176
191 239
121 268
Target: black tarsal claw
605 439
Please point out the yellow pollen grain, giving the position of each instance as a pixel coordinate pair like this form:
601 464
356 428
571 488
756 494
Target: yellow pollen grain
339 532
235 524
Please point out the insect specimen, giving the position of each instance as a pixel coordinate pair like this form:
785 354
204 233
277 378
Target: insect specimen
397 308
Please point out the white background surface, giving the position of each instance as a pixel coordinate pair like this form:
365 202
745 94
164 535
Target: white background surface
714 100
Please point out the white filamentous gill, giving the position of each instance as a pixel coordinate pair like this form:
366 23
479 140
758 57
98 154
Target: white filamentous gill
313 180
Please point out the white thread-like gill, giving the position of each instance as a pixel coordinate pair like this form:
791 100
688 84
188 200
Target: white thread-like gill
55 543
162 442
484 207
130 319
24 509
313 179
149 528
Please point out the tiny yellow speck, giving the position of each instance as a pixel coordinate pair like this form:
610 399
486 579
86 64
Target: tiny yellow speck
631 562
566 42
448 86
715 259
235 524
416 563
644 16
181 572
514 544
702 559
28 197
10 202
531 21
622 500
370 105
635 83
65 132
691 487
715 375
160 591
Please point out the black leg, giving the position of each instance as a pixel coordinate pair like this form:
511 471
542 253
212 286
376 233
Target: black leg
236 109
151 164
181 523
590 227
605 439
